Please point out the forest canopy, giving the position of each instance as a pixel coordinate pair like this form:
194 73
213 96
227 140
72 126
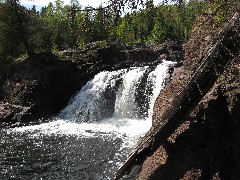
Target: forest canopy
58 27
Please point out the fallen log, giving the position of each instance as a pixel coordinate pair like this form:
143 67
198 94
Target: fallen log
210 67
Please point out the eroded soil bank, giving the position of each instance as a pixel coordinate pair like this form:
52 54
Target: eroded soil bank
207 144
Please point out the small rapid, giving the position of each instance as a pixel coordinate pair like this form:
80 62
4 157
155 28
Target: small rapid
92 135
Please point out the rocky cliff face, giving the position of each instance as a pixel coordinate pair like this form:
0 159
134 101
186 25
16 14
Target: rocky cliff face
207 144
38 87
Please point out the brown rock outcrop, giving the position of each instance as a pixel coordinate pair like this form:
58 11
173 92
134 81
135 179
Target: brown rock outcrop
207 144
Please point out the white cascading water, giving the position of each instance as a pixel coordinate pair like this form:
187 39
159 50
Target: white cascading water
125 105
92 105
108 104
157 79
107 107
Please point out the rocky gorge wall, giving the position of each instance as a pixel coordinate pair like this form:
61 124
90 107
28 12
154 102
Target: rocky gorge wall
207 144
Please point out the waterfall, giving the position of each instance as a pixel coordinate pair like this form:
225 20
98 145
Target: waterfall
95 101
116 95
125 105
93 134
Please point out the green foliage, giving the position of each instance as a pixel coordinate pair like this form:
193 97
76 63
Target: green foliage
220 10
11 36
21 30
100 25
58 26
156 24
54 18
124 31
5 70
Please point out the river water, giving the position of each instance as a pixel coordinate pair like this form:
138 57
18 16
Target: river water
91 137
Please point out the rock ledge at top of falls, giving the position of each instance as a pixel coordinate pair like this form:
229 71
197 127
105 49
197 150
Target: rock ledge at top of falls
39 86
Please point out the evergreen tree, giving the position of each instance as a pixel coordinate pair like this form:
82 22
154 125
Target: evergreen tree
14 32
99 25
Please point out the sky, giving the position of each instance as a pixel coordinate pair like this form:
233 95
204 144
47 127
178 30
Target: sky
93 3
